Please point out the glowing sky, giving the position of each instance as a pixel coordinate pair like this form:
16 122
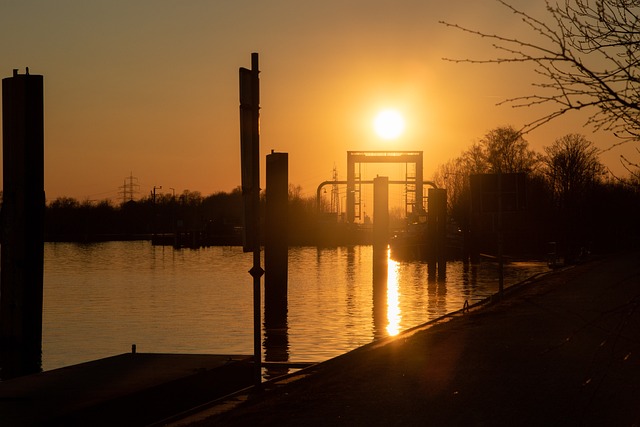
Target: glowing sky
151 87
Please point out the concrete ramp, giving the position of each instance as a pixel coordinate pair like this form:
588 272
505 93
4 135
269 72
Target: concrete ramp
128 389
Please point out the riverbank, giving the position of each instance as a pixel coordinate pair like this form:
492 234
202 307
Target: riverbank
561 350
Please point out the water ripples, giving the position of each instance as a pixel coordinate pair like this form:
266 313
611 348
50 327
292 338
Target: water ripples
99 299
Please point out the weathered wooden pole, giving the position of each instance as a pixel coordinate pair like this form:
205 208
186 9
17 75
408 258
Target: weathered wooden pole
276 251
276 236
250 156
437 228
380 230
381 212
22 238
500 235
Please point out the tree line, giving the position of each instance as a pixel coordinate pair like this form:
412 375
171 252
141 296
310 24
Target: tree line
570 199
585 56
217 218
69 219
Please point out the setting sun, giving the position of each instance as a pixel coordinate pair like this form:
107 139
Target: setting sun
388 124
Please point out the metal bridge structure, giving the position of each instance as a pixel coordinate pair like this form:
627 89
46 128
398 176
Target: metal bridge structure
413 182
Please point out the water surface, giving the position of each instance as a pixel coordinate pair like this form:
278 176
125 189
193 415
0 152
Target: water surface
99 299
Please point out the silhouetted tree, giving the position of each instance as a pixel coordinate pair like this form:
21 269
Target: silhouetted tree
215 218
633 168
506 151
587 53
572 167
63 218
224 207
616 205
302 216
64 203
474 159
502 149
574 173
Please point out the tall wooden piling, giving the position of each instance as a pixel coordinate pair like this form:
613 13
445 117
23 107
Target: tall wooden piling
437 229
381 211
276 238
22 232
250 171
437 222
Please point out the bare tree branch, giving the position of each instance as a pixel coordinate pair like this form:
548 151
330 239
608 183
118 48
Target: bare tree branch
587 55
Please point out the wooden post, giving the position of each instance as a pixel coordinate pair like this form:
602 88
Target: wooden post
500 236
380 232
381 212
437 223
22 225
250 155
276 251
276 224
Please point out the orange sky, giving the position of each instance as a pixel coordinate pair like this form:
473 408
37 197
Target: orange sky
151 87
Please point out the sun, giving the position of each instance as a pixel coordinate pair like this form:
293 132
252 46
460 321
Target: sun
388 124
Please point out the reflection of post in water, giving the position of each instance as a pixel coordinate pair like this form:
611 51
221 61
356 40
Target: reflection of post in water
380 275
437 229
22 225
442 270
437 271
351 264
276 340
437 286
380 244
469 275
437 235
432 267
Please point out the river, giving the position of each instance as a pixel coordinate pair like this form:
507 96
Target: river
101 298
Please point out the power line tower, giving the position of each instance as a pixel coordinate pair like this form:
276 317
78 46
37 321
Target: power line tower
130 188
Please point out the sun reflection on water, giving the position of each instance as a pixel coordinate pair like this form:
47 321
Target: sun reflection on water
394 315
101 298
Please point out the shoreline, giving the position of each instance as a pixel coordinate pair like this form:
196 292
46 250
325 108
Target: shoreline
518 366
